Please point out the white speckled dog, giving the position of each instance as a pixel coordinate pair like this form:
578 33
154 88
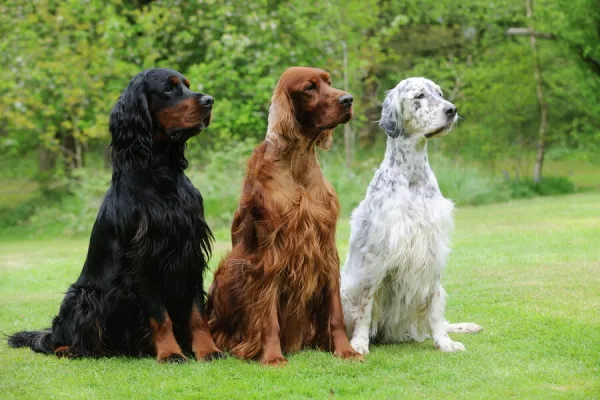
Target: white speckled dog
391 288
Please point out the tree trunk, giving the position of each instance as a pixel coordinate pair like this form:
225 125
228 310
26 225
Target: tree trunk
537 72
46 160
73 152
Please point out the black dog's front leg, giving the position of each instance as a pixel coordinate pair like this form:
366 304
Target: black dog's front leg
163 338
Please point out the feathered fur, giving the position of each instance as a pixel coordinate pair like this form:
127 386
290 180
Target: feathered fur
278 289
400 234
141 288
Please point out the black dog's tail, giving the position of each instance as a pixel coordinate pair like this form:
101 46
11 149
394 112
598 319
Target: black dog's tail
40 341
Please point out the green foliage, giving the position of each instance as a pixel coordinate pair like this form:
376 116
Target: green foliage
466 185
65 63
549 186
521 189
70 207
219 178
554 185
63 69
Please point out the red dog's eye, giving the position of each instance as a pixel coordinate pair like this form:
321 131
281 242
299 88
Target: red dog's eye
311 87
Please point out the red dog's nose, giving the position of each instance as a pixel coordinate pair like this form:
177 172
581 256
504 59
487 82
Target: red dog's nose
346 100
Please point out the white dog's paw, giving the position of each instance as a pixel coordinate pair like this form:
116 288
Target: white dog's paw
464 327
446 344
360 345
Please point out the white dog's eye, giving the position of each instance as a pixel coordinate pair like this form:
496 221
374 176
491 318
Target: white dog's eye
420 96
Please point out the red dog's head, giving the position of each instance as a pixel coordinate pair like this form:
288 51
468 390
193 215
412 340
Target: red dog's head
305 105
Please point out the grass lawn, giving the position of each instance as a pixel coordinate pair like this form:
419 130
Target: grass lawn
527 271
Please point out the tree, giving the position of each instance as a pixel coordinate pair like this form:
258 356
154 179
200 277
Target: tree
541 146
64 71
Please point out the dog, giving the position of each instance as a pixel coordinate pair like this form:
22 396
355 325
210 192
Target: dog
278 289
400 233
141 288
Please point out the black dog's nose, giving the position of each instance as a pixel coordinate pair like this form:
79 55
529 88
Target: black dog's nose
450 111
346 100
206 100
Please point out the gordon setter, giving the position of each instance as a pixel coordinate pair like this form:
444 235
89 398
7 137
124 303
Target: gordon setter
278 289
141 288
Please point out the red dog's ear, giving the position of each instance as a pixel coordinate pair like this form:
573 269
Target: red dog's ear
283 126
325 139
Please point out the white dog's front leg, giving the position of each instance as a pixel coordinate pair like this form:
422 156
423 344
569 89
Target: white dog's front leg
362 325
437 323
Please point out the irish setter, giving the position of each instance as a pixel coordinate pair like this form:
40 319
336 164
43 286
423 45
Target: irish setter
278 289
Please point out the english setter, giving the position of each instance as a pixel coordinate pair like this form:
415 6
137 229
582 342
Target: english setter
400 234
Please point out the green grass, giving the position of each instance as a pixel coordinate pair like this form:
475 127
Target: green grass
527 271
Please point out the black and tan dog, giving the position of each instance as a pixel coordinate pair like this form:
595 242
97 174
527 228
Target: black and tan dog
141 288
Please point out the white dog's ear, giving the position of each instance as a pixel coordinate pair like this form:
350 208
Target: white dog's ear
391 115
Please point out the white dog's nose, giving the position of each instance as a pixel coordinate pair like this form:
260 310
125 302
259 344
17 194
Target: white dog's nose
450 111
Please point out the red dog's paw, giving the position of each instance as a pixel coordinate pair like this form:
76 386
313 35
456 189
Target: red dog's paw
172 358
274 361
215 355
349 355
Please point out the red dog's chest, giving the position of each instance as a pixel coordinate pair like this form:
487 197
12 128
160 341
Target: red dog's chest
306 243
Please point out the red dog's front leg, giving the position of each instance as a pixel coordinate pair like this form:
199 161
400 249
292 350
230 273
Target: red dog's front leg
271 345
337 327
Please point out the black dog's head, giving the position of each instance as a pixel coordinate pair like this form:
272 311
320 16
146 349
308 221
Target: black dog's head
157 105
176 111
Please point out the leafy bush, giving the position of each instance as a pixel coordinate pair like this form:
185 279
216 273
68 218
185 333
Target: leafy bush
67 207
520 189
549 186
553 185
466 185
70 207
219 177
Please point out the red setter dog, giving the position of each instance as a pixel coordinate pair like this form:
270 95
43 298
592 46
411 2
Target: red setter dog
278 289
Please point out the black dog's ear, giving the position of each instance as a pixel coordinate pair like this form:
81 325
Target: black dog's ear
391 118
131 126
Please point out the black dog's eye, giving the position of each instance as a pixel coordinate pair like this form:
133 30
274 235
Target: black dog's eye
420 96
311 87
169 89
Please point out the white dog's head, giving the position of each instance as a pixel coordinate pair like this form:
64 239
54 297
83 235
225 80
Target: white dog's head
416 107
